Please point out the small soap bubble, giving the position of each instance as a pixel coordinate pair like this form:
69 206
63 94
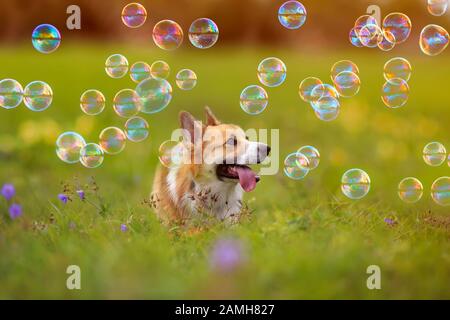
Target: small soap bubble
136 129
365 20
399 25
296 166
127 103
437 7
167 35
11 93
139 71
386 41
354 38
254 99
434 154
272 72
326 108
203 33
68 146
134 15
369 35
343 65
37 96
172 153
112 140
395 93
46 38
292 15
433 40
324 90
306 87
440 191
347 84
186 79
92 102
116 66
397 68
312 154
155 94
160 70
91 156
410 190
355 184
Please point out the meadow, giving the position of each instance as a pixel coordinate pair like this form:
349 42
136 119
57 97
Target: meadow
298 239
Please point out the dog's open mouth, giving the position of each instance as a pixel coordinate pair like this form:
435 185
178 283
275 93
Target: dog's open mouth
247 178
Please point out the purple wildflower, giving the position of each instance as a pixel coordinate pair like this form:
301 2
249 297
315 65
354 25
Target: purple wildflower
390 221
123 227
63 197
227 255
8 191
81 194
15 211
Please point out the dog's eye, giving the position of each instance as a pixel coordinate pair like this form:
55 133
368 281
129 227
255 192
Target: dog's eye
246 138
232 141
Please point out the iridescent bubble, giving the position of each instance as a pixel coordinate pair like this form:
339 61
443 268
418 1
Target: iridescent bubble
355 184
306 87
92 102
172 153
296 166
68 146
324 90
136 129
272 72
440 191
155 94
312 154
386 41
186 79
365 20
203 33
127 103
347 84
116 66
160 70
448 160
399 25
397 68
326 108
434 154
37 96
112 140
11 93
395 93
167 35
292 15
343 65
254 99
369 35
437 7
433 40
354 38
410 190
46 38
134 15
91 155
139 71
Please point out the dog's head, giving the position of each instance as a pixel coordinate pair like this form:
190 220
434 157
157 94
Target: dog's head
222 152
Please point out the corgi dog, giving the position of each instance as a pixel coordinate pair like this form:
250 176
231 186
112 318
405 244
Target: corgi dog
214 175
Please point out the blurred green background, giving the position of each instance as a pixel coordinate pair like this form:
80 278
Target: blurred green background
305 240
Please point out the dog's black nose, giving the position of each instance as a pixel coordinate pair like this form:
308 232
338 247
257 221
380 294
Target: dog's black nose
268 150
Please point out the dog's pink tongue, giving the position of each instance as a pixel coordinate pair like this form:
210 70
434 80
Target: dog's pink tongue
247 178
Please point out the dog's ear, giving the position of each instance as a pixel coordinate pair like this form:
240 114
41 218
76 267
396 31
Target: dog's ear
193 127
211 119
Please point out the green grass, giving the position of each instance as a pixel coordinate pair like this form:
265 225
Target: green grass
303 238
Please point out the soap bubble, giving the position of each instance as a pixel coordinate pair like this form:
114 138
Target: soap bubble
326 108
37 96
136 129
116 66
134 15
272 72
292 15
397 68
91 155
369 35
395 93
354 38
127 103
365 20
172 153
68 146
11 93
186 79
355 184
347 84
410 190
160 70
203 33
112 140
92 102
254 99
399 25
324 90
440 191
296 166
139 71
46 38
312 154
437 7
306 87
343 65
155 94
434 154
433 40
386 41
167 35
